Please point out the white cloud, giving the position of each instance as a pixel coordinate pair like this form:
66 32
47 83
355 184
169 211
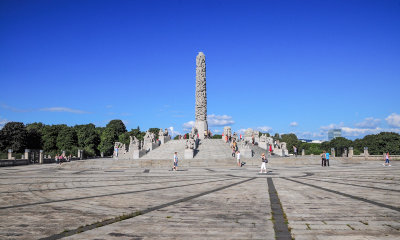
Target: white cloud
13 109
369 122
355 132
188 125
109 106
331 126
294 124
219 120
172 132
393 120
62 109
264 129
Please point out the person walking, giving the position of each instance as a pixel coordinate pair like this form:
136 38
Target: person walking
387 161
263 162
323 158
233 150
270 149
327 158
175 168
238 158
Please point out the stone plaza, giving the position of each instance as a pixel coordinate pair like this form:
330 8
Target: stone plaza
115 199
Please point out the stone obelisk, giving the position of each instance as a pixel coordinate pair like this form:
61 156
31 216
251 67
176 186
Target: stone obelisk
201 96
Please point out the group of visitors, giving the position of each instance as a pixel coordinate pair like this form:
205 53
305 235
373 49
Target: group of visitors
61 158
324 159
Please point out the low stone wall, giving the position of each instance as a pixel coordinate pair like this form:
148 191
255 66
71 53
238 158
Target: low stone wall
17 162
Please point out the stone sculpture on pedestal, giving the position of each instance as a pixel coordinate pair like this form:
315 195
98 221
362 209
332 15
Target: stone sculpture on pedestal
201 96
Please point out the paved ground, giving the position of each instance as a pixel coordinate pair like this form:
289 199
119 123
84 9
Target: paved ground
88 201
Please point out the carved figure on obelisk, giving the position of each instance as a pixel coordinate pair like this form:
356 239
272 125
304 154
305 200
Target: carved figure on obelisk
201 96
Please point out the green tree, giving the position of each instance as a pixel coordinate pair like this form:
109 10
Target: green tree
109 135
125 139
291 140
88 139
107 139
217 136
339 143
382 143
117 126
67 140
34 131
13 136
49 137
277 137
155 131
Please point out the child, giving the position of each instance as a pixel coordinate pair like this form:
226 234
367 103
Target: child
264 161
387 162
175 168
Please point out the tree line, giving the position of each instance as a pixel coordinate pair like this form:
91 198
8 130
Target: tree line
377 144
56 138
94 140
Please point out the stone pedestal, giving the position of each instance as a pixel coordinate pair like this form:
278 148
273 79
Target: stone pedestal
63 153
366 151
27 151
285 152
164 139
150 146
10 151
279 152
102 154
332 152
41 157
201 126
246 153
351 152
189 154
79 153
263 145
138 154
303 153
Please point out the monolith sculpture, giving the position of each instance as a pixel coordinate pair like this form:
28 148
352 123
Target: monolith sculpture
201 96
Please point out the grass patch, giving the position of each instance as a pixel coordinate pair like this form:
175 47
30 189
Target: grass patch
398 229
365 223
324 222
308 226
169 217
350 227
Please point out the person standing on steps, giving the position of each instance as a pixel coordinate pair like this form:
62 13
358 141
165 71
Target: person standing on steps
233 150
323 159
238 158
263 162
327 158
175 168
270 149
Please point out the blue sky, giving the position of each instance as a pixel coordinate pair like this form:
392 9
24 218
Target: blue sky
282 66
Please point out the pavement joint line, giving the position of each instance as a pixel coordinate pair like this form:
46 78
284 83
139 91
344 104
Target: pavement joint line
106 195
347 195
138 213
351 184
90 187
278 215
